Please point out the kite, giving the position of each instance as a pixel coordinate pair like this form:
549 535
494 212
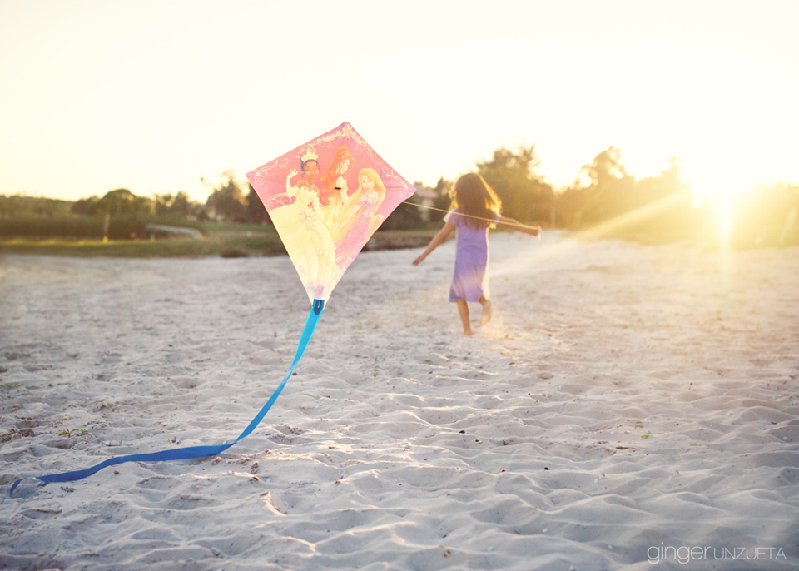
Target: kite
326 198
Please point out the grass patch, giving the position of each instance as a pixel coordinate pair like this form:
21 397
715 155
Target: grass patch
263 244
222 240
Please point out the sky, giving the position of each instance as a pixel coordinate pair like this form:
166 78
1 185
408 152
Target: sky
154 96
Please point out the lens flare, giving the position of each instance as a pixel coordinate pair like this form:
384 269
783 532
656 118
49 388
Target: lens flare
725 220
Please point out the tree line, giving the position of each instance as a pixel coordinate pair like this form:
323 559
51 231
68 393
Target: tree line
227 202
602 193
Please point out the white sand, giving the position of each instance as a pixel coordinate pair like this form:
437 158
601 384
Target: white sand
401 444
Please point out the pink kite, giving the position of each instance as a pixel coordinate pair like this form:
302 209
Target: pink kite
326 198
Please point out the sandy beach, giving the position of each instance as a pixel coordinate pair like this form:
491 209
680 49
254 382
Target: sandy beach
628 406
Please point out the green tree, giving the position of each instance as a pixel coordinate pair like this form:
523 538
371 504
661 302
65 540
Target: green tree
443 199
32 206
119 202
122 202
227 200
85 206
256 212
602 189
605 169
178 205
524 195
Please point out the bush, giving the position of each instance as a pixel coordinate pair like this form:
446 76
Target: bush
405 217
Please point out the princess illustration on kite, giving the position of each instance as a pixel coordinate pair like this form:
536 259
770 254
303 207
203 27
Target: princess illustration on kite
334 185
359 219
304 229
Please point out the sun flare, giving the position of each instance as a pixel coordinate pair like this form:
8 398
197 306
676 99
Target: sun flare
725 219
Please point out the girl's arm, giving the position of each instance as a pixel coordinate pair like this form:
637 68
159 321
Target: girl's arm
518 226
437 240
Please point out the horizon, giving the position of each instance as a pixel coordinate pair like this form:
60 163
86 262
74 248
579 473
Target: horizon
154 97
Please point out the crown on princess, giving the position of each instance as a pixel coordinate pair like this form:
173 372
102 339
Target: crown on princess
309 155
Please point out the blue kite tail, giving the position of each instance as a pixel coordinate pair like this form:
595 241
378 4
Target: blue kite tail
193 452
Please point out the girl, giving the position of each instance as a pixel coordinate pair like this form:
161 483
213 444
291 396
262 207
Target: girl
475 208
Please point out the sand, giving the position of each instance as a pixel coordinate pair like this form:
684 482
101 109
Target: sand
627 406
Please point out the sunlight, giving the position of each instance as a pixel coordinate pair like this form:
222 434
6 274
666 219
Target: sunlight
720 194
637 215
725 220
713 183
603 230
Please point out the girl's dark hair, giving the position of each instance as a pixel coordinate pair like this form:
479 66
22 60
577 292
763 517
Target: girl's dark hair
303 163
472 196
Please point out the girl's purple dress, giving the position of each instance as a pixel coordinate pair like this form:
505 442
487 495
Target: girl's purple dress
470 281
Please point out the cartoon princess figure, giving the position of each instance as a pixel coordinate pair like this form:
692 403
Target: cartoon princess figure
333 182
358 218
309 165
305 233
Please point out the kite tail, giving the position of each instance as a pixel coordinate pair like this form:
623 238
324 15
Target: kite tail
193 452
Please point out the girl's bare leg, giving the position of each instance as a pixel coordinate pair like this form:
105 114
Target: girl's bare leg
488 310
463 311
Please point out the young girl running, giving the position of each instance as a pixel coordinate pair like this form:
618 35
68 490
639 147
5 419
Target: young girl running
475 209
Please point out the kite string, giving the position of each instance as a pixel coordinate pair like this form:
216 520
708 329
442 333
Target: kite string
519 225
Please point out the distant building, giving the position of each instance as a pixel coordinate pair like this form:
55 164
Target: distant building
424 199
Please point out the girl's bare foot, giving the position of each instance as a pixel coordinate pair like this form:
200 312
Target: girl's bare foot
488 312
468 332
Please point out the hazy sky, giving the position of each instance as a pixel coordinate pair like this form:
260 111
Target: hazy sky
153 95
